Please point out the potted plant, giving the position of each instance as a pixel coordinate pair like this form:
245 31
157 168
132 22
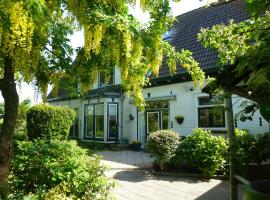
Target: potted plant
179 119
136 146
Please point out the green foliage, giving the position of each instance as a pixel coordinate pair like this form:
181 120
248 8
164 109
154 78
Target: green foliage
2 110
35 35
57 169
244 150
163 145
265 109
20 129
245 46
49 122
203 151
263 146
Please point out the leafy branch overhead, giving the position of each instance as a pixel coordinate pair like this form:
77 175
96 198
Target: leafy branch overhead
245 48
38 42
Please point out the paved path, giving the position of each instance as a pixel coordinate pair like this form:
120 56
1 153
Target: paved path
134 183
126 159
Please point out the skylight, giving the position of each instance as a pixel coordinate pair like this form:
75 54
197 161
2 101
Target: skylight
167 35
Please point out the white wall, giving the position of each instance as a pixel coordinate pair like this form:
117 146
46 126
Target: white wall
129 126
254 126
186 104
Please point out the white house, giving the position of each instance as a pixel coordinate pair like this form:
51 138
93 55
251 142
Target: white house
107 114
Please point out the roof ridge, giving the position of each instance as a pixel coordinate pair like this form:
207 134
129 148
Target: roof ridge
214 4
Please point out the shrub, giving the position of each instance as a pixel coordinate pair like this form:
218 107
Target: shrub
50 122
203 151
20 129
263 146
57 168
244 150
163 145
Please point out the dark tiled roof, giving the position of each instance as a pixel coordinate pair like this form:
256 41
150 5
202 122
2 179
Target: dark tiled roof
188 25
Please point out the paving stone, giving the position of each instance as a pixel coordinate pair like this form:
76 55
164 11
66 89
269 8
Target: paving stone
135 183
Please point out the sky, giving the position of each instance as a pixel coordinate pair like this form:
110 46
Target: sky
27 91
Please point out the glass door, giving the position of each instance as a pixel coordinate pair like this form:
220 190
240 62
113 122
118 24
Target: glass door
94 121
112 121
152 121
89 121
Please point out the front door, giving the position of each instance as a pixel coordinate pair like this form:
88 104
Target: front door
152 121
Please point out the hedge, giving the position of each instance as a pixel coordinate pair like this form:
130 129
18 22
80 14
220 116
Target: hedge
49 122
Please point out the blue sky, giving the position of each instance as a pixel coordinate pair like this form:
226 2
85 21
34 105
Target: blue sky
27 91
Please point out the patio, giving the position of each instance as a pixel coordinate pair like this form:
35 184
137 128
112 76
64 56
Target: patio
131 170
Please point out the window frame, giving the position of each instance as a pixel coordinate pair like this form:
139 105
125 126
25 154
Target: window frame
106 84
94 123
210 106
108 125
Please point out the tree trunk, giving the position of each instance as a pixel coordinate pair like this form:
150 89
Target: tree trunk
11 101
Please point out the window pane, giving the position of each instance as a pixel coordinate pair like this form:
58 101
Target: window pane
204 101
211 117
89 120
218 117
74 129
112 120
152 121
165 119
106 78
210 101
157 104
99 112
204 117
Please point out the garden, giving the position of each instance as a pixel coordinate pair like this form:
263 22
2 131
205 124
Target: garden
205 154
47 165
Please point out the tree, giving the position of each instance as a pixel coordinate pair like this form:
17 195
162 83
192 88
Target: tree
34 47
244 51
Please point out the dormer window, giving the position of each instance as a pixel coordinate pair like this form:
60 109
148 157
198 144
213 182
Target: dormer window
167 35
106 78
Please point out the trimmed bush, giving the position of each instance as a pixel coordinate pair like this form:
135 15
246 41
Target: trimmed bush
49 122
203 151
163 145
52 169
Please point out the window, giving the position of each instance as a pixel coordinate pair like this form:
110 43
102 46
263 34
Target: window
94 121
162 107
112 120
106 78
74 129
211 112
167 35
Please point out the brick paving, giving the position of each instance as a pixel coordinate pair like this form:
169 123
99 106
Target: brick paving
126 159
135 182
